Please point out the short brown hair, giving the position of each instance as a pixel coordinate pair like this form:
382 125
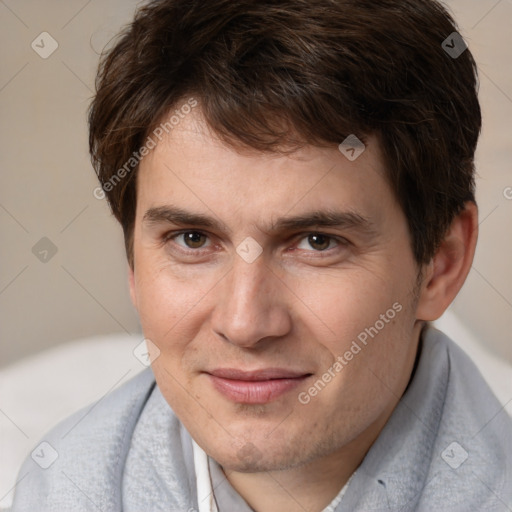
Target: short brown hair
277 74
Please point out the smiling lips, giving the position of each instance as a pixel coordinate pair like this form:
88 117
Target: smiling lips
255 387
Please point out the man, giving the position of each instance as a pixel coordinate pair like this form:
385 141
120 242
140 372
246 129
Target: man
295 182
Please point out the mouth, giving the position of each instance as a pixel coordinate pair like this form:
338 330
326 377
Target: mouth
257 386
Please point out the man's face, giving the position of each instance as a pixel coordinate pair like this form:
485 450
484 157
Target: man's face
215 306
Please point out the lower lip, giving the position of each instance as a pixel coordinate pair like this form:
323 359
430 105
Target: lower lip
255 392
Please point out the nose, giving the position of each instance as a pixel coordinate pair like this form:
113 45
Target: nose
251 305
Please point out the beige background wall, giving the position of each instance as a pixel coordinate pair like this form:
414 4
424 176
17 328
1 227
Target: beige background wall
47 182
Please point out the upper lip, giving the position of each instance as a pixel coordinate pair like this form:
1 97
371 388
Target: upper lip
256 375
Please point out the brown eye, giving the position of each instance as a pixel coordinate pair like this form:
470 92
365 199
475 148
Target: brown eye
319 242
189 239
194 239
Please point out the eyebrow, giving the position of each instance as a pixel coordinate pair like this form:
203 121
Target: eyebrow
318 218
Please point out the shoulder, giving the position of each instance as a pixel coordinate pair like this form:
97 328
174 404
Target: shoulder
80 461
468 395
472 456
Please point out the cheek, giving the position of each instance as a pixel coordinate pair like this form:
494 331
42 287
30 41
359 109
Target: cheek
348 301
362 320
167 305
169 312
367 368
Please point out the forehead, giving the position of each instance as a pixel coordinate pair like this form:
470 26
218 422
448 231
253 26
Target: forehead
191 165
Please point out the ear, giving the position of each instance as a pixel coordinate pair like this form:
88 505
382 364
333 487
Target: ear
446 273
131 282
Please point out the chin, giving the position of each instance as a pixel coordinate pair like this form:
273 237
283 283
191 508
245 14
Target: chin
258 457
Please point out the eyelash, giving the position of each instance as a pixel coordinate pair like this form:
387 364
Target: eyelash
173 235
